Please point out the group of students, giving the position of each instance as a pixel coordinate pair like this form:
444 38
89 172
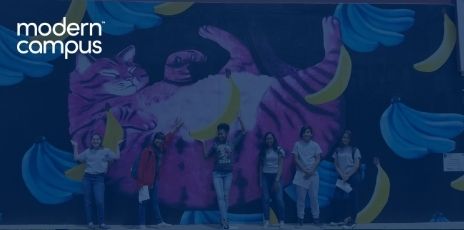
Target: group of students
307 155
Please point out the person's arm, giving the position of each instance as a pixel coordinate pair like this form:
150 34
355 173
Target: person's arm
170 136
337 166
315 164
300 165
117 153
357 157
242 126
208 153
260 173
77 156
281 163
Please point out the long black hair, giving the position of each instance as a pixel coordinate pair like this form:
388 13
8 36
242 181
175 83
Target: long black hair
263 148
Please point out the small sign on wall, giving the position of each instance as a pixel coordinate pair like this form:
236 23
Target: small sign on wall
453 162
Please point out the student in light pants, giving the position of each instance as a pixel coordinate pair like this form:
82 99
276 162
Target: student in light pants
307 156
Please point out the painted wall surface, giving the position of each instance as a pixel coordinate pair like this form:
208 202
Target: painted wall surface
389 73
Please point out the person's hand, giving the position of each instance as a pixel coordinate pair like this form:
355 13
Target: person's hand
178 123
345 177
74 144
307 176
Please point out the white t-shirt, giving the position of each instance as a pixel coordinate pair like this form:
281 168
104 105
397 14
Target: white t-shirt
96 160
307 153
271 160
344 157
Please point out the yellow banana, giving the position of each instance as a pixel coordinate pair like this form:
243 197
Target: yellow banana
337 85
75 14
172 8
228 116
441 55
378 200
273 217
458 184
113 134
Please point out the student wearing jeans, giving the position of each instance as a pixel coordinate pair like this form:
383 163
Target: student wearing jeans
223 153
148 165
96 159
271 158
307 156
347 160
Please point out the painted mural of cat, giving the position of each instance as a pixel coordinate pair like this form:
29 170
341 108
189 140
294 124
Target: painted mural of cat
267 104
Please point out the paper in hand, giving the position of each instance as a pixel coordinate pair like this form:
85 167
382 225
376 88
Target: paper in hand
144 194
343 186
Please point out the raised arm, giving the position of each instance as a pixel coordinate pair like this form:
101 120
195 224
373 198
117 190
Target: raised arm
77 156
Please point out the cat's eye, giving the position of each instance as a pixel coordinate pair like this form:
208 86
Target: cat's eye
177 60
109 73
131 70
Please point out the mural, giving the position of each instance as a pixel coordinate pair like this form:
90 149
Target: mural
166 62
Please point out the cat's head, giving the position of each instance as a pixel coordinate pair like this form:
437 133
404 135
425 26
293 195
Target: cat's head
106 77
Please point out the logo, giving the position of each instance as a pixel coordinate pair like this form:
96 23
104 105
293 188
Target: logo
45 38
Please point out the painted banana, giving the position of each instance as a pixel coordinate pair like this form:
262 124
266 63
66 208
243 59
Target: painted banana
458 184
113 25
445 125
74 14
31 68
441 55
228 116
389 13
337 85
172 8
378 200
364 28
8 77
113 134
351 38
125 14
142 7
397 144
386 21
42 171
409 132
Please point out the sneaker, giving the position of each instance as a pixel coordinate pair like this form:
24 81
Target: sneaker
349 225
104 226
266 224
316 221
300 222
282 224
163 224
90 225
225 224
336 223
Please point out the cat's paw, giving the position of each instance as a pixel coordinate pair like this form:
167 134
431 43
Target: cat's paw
331 33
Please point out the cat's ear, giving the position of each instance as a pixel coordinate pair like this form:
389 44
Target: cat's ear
83 62
127 55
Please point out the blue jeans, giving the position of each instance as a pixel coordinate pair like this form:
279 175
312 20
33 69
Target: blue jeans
268 190
222 182
346 204
94 186
154 201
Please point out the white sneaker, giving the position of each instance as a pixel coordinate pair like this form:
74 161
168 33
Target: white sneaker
163 224
266 224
